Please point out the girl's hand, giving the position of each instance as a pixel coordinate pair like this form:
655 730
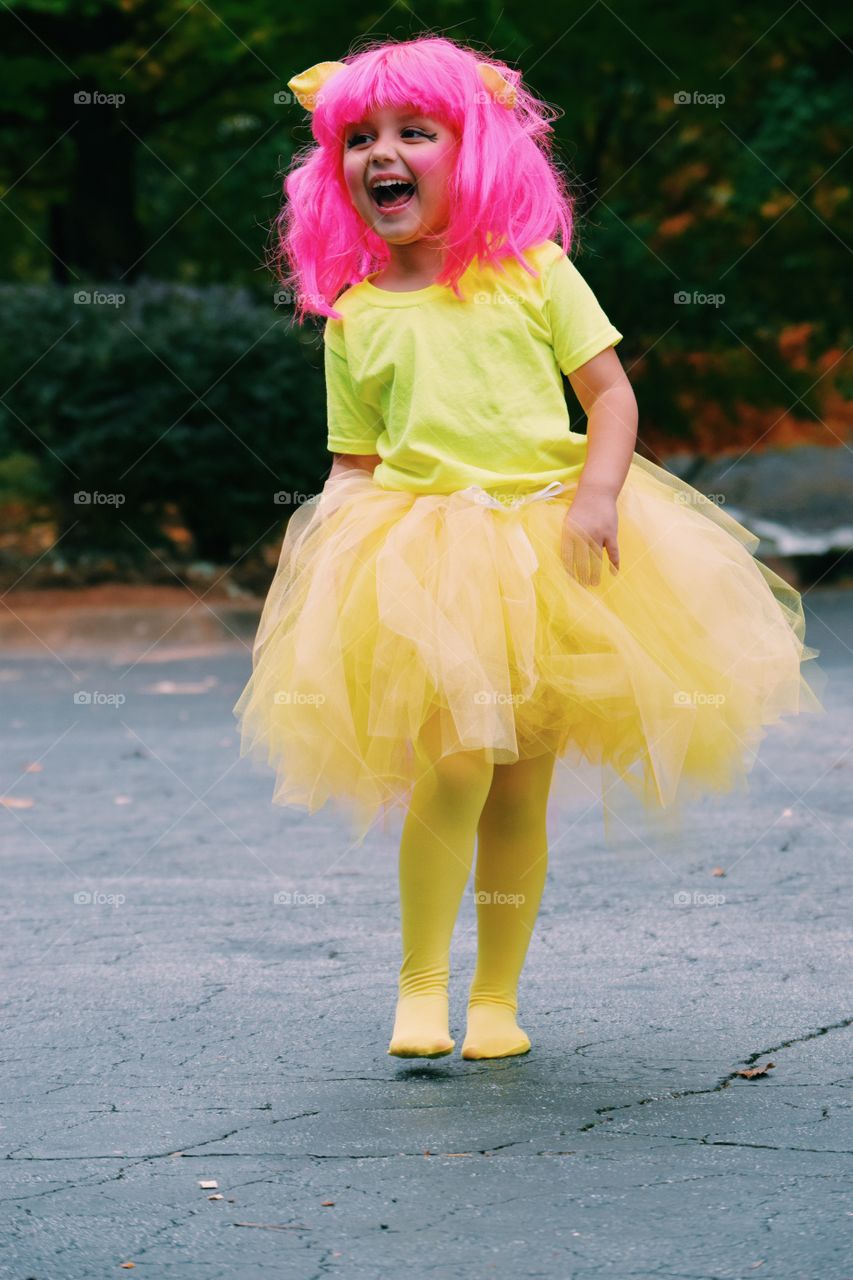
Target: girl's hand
590 525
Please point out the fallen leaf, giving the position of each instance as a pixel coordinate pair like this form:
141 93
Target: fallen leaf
210 1182
16 802
749 1073
718 871
34 767
327 1202
217 1196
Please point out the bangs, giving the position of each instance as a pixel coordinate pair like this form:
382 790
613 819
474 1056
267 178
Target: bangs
370 88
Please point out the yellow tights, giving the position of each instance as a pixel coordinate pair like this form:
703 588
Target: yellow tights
461 798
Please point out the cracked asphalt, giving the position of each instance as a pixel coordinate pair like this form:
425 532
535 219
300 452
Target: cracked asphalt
167 1021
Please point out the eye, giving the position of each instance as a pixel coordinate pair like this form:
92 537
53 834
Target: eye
351 141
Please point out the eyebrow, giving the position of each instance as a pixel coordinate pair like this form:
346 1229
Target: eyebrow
412 115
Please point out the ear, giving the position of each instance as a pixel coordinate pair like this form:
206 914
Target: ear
307 85
498 85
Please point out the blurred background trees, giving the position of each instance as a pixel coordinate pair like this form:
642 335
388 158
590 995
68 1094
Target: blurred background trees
146 355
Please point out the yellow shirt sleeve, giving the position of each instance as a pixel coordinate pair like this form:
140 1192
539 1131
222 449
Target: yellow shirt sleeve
353 427
580 329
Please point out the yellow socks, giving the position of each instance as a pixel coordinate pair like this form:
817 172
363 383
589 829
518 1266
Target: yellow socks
462 798
436 852
493 1033
420 1027
512 862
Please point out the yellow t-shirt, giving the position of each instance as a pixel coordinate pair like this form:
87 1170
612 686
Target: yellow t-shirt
452 393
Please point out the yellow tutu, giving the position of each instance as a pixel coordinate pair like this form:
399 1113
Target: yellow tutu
389 608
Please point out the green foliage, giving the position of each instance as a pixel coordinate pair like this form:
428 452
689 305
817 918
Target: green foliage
23 482
196 404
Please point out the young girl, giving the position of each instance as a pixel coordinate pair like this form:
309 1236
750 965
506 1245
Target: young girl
440 632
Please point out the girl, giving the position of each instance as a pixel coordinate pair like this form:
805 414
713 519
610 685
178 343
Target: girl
439 631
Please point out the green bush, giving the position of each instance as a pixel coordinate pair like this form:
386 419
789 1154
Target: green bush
196 404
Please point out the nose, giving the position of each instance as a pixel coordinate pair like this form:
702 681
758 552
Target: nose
381 151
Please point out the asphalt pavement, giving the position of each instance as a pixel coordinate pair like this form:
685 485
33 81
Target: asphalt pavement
199 989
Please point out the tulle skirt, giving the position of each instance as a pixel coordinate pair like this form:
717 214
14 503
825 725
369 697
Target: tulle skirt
391 610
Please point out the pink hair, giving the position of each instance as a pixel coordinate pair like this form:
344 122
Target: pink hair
508 194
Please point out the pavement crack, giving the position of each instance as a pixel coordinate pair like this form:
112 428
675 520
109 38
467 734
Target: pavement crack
301 1115
604 1112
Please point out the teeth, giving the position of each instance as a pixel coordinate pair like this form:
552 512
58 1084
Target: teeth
389 182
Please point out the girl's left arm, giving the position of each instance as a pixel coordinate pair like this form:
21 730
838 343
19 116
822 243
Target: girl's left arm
607 398
602 387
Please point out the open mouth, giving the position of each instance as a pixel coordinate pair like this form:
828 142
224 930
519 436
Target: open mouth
393 196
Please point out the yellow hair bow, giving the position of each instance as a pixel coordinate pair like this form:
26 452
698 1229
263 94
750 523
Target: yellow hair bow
307 85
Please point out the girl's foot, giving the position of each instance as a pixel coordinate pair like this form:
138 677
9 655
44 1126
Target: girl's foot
420 1028
493 1033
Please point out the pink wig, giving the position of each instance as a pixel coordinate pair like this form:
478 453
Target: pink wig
507 193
